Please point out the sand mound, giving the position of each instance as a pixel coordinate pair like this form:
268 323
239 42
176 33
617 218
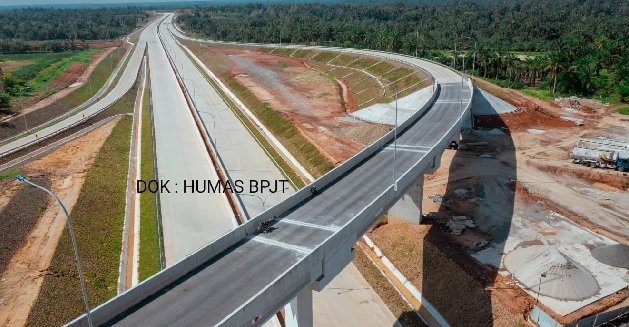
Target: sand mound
563 278
616 255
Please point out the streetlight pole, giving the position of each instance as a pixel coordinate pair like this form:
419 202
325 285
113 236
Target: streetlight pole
76 251
22 107
539 289
474 60
214 123
394 129
265 198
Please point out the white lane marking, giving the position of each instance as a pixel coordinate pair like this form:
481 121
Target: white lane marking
268 241
301 223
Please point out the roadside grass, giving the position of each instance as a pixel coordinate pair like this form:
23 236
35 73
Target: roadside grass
623 111
305 152
217 65
98 78
19 216
365 90
10 173
97 218
43 79
324 56
149 236
539 93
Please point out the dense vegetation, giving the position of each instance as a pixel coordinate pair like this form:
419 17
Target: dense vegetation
63 29
575 46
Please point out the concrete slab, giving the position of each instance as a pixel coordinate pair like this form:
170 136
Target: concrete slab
539 226
384 113
484 104
346 290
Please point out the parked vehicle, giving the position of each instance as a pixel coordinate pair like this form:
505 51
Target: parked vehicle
602 154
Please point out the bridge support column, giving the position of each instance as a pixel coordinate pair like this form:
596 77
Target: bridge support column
408 209
299 310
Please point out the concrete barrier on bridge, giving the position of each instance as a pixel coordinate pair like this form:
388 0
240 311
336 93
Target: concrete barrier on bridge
304 272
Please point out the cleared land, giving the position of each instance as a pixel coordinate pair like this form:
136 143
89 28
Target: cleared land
98 237
40 107
65 169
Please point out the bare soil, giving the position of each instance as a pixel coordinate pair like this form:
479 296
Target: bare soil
77 73
306 97
66 168
11 65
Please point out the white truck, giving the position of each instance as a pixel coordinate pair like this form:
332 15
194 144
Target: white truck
602 153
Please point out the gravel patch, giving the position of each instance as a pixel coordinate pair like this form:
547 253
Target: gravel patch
485 104
616 255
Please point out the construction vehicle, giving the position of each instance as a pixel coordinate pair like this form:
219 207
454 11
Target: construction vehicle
602 153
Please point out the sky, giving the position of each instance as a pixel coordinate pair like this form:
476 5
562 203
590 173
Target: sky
59 2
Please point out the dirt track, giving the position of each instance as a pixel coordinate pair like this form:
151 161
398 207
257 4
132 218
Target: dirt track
66 168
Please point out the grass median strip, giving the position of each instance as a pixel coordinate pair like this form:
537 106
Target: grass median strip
149 232
97 218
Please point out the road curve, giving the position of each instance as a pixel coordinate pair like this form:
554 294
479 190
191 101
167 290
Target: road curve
124 85
308 243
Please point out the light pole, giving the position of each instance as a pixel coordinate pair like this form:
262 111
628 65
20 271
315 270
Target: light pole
194 86
265 198
76 251
539 289
394 129
213 122
474 60
22 107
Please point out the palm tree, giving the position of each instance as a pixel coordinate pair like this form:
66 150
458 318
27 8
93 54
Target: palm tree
554 63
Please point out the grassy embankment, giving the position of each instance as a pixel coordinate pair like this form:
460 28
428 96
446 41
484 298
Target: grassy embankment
149 256
623 111
99 77
44 68
97 218
285 131
351 69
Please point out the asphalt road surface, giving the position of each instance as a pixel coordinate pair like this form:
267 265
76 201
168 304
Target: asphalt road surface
192 216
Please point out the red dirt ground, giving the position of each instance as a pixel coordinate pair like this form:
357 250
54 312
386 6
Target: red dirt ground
309 100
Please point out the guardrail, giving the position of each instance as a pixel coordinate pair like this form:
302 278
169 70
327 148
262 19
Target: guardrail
82 120
84 105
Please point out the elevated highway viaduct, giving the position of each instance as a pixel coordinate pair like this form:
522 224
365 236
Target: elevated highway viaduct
244 277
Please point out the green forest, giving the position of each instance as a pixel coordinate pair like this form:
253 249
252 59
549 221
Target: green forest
569 47
58 30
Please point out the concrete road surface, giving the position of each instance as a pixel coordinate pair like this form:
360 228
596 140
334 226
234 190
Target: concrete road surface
244 159
127 80
191 215
350 301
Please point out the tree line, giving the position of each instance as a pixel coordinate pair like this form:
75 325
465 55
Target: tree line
579 46
60 30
